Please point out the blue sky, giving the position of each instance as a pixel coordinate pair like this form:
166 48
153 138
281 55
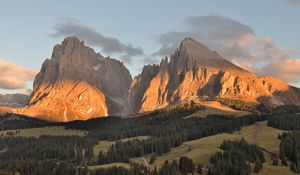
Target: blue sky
26 28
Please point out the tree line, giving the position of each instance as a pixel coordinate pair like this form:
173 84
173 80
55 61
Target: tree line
72 148
285 121
236 158
162 125
173 134
289 150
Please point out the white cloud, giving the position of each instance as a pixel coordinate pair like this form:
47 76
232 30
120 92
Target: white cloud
14 76
287 69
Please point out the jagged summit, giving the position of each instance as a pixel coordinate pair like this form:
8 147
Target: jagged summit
191 44
196 53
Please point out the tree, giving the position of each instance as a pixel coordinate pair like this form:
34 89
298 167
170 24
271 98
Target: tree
293 167
186 165
209 172
258 165
275 162
199 169
284 162
153 158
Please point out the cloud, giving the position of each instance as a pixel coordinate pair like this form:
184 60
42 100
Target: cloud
293 1
235 41
150 60
287 70
26 92
109 45
212 30
14 76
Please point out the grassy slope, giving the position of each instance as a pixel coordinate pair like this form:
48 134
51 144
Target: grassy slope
214 107
53 131
126 165
201 149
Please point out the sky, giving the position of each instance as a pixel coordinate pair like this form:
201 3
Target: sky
261 36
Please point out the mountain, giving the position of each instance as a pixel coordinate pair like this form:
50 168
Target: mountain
77 84
195 73
14 100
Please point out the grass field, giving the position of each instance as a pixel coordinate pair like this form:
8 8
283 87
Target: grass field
52 131
202 149
126 165
102 146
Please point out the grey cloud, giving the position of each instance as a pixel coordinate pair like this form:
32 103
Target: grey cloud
150 60
214 31
109 45
210 26
293 1
232 39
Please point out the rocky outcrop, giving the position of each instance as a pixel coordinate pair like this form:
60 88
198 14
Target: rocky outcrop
195 72
77 84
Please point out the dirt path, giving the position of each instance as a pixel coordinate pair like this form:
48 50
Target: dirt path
257 129
146 163
3 151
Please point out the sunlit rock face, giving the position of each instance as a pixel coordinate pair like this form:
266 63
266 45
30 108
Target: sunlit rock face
196 72
78 84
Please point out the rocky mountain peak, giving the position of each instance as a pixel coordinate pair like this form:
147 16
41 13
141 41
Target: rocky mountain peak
191 44
78 83
195 53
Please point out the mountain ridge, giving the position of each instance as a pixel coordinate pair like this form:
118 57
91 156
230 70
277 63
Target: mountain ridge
196 72
77 83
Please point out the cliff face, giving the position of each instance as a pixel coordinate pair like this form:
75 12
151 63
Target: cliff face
77 84
195 72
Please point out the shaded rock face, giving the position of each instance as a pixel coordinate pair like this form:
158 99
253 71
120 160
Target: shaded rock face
77 84
195 72
14 100
138 87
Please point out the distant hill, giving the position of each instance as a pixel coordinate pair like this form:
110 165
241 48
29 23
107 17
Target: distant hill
14 121
14 100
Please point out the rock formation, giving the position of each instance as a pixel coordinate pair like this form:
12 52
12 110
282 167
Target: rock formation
195 72
77 84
